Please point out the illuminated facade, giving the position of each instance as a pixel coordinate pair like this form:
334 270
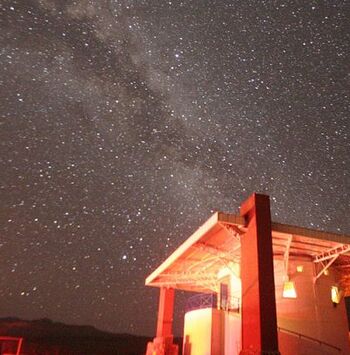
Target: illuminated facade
263 288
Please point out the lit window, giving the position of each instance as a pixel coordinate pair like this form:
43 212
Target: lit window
289 290
326 272
336 294
300 268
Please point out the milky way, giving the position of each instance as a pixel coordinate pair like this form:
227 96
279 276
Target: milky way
125 124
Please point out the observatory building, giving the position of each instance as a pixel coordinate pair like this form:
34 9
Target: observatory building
260 288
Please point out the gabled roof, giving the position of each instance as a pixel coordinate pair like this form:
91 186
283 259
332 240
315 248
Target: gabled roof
194 265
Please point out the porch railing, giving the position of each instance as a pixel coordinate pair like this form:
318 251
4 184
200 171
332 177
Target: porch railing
210 300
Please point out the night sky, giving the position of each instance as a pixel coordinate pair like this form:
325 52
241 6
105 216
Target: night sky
125 124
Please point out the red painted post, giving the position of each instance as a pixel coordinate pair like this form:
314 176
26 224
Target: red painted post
163 342
165 312
259 321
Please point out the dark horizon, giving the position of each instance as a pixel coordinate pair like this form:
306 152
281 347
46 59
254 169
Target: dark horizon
47 337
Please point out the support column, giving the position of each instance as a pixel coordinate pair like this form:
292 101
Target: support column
259 321
165 312
163 342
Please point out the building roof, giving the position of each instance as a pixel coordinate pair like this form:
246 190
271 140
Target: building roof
194 265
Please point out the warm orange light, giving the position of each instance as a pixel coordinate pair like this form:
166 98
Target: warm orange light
300 268
289 290
336 294
326 272
197 330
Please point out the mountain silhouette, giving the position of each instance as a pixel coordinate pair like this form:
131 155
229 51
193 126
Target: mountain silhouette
46 337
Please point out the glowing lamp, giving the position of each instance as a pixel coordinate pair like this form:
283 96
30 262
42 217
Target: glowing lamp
336 294
300 268
289 290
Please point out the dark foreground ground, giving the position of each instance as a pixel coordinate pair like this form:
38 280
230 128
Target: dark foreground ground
44 337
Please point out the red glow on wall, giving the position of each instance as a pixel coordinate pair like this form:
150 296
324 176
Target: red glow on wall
10 345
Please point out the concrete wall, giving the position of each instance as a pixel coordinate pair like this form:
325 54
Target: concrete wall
312 313
211 331
233 341
293 345
197 332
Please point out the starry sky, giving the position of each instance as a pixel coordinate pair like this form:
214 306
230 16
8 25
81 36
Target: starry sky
124 124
